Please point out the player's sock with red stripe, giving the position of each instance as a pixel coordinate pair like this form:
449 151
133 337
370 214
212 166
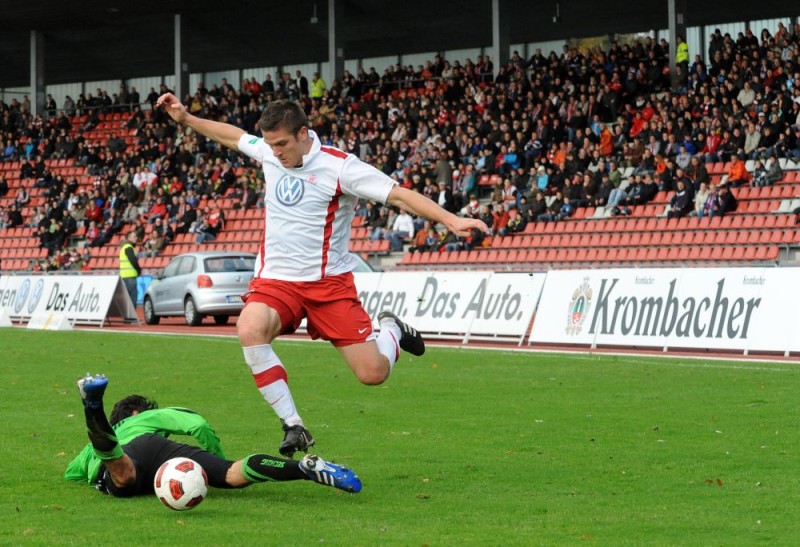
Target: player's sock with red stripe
270 378
388 341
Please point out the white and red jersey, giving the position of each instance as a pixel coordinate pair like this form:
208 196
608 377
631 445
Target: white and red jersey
308 210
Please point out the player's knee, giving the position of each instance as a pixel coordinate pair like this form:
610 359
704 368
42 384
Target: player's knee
373 374
250 332
256 328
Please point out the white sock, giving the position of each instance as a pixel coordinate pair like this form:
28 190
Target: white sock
271 380
388 341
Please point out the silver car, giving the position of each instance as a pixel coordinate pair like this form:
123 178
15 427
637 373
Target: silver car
198 284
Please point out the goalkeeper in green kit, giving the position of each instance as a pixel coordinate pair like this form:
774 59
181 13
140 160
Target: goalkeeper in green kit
126 450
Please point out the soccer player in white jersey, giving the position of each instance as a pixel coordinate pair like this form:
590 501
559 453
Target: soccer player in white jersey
303 269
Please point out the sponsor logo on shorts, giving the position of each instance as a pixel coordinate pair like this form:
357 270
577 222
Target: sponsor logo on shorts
289 190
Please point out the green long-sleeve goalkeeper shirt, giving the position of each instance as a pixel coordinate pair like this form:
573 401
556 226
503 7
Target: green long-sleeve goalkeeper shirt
160 421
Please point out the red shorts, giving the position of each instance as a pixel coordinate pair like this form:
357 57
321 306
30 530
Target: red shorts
331 306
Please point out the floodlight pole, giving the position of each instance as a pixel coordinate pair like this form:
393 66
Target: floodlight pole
181 68
37 73
501 30
335 39
676 10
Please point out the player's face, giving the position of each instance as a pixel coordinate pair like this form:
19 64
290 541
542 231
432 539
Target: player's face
288 148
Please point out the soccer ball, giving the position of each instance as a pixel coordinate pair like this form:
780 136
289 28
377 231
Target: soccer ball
181 484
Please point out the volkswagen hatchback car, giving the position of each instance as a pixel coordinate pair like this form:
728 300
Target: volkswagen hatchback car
198 284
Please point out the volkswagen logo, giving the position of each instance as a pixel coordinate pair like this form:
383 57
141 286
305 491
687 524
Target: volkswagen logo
290 190
22 295
36 295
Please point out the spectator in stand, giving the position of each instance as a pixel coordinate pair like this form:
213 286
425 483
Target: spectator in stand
737 175
204 232
156 240
727 201
247 197
444 197
216 219
509 193
697 172
500 218
3 186
68 224
14 216
516 222
22 197
474 240
553 209
421 241
700 198
759 174
186 220
104 235
767 176
752 139
402 230
93 211
681 203
47 240
157 211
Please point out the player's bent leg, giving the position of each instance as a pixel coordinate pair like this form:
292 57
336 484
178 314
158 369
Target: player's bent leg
369 365
101 434
258 324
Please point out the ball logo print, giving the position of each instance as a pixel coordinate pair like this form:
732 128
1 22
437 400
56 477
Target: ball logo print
180 484
290 190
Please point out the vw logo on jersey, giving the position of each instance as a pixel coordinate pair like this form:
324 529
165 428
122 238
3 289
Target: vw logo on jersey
289 190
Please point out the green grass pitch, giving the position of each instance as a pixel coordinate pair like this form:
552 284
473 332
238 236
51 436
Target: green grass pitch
460 447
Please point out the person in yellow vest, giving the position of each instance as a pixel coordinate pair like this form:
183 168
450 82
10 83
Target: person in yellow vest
682 55
129 268
318 86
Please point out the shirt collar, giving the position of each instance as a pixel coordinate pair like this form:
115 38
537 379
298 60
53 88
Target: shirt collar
315 148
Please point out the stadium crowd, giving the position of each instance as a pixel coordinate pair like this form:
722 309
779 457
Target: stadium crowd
558 130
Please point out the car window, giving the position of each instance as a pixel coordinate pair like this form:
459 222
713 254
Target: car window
230 264
172 268
187 265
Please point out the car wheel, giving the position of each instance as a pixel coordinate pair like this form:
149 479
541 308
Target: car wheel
150 316
221 319
190 313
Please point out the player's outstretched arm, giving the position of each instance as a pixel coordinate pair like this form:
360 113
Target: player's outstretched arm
224 133
418 204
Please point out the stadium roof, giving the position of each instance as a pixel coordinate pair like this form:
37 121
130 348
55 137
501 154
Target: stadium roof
114 39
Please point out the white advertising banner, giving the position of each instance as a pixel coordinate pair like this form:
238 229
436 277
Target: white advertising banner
475 303
83 299
714 308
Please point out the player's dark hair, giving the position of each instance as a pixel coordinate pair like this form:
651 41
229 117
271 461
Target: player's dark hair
283 114
127 406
